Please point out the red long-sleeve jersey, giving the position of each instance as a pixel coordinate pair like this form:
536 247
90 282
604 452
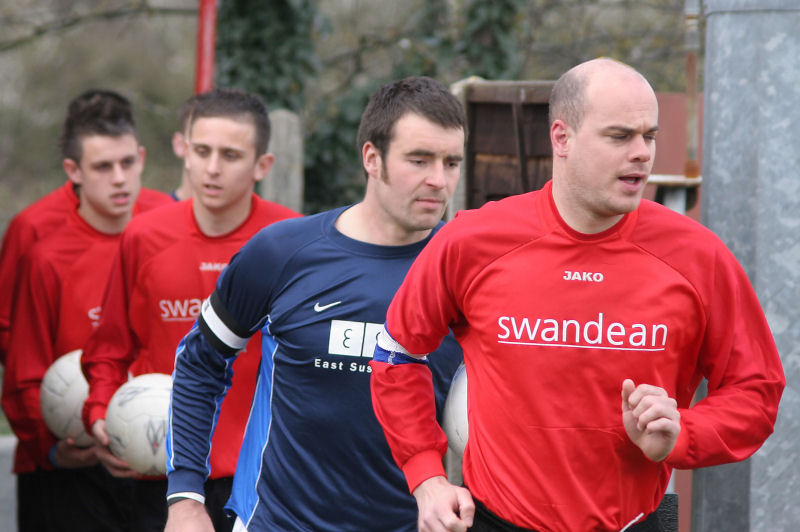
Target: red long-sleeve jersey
165 268
551 322
29 225
33 223
56 308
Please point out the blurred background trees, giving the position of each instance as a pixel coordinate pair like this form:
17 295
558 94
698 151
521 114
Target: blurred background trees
320 59
52 50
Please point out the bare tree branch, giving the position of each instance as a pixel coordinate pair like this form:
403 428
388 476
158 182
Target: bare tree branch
64 24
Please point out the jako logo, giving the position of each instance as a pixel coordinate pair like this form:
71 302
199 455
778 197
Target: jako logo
589 277
180 309
212 266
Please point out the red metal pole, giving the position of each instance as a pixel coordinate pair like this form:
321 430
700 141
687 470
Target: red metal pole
692 14
206 40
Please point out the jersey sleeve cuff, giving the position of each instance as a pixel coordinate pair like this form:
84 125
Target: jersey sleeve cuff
183 495
92 414
47 451
183 481
421 467
677 457
52 456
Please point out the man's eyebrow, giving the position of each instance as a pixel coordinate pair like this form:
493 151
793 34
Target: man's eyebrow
629 130
101 162
232 148
220 148
420 153
428 153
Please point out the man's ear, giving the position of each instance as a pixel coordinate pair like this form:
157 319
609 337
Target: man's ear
264 165
72 170
560 134
371 158
178 144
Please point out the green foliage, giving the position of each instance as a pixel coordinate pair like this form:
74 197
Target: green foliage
487 46
429 50
266 48
490 39
333 171
325 66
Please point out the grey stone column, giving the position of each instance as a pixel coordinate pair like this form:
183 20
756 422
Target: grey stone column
751 199
284 184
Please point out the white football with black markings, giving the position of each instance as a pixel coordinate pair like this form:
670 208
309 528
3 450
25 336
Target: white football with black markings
136 422
61 395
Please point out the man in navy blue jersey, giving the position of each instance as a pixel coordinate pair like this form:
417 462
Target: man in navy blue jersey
314 456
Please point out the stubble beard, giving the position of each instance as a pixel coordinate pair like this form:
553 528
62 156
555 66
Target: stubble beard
411 222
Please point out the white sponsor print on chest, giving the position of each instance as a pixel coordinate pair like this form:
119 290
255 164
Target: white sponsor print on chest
599 333
350 339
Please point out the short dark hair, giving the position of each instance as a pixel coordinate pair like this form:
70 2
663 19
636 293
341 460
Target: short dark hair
235 104
568 98
418 94
95 112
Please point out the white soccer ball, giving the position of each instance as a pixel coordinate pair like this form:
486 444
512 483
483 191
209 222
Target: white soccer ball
136 422
454 418
61 396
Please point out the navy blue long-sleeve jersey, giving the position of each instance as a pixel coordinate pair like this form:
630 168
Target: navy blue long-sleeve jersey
314 456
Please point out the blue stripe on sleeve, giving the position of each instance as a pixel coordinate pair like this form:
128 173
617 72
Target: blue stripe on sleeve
388 350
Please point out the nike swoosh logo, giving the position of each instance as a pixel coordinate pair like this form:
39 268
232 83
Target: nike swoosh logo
320 308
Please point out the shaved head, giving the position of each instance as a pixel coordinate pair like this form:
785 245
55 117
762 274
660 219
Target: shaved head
604 120
569 100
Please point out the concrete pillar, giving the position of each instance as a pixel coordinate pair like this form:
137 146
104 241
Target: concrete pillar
459 199
284 184
8 485
751 199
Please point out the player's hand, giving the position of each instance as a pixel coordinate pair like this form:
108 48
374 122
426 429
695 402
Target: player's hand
651 419
69 456
116 466
188 515
443 506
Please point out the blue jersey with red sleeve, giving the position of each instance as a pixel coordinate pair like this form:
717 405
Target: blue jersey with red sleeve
314 456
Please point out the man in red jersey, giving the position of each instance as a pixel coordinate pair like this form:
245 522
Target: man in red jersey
588 317
40 219
56 307
168 262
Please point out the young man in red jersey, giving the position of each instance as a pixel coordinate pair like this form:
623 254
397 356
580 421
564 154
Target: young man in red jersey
588 317
168 263
43 217
57 306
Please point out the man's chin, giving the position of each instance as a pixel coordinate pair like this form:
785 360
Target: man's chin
426 222
212 203
628 204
